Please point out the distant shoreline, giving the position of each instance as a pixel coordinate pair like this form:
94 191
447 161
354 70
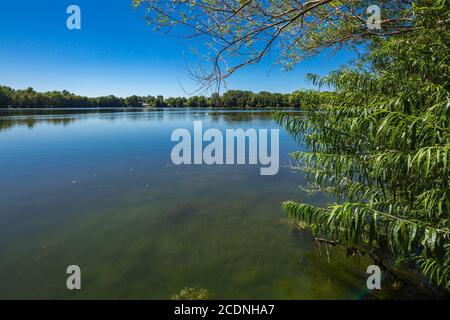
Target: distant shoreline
31 99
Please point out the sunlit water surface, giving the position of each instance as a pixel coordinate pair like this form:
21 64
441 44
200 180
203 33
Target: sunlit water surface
99 190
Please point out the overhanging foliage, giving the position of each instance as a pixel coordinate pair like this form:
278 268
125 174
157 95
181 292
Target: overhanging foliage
381 144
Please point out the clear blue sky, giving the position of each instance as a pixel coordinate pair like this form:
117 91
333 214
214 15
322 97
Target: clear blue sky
115 52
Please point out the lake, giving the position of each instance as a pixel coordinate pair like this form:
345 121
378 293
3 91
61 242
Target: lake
99 190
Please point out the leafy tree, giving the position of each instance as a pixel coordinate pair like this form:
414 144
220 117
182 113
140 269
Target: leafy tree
303 98
133 101
159 103
170 102
381 144
110 102
236 98
202 102
5 97
215 101
239 33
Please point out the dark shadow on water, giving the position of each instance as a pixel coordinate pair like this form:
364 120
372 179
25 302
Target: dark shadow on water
181 214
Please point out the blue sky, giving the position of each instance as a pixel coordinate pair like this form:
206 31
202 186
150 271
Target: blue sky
115 52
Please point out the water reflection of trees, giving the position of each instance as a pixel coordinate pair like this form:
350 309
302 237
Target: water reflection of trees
30 118
9 123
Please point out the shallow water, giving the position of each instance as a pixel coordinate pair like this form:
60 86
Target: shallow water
99 190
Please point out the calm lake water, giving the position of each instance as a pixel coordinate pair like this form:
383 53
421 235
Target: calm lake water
99 190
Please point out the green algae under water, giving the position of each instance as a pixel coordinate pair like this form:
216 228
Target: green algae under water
99 190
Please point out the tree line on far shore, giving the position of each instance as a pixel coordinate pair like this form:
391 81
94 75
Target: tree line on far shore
29 98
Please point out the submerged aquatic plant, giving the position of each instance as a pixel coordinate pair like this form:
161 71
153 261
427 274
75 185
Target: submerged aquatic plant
191 294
